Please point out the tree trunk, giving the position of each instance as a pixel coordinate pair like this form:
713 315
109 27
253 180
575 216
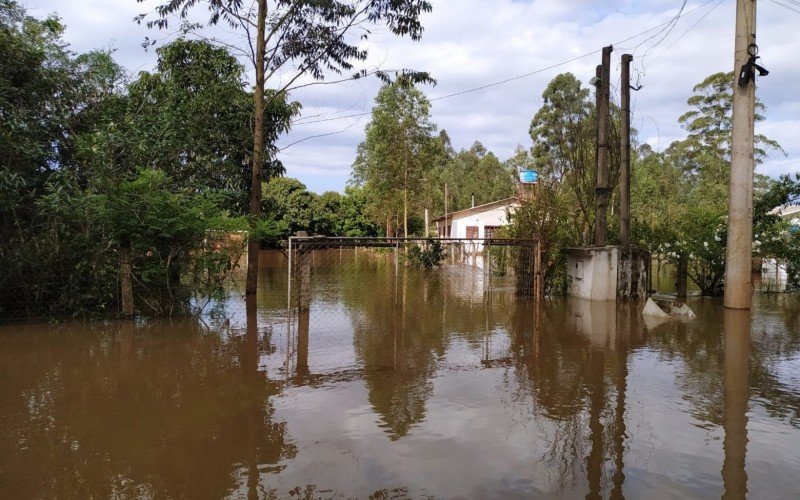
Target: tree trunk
681 279
126 284
253 246
405 202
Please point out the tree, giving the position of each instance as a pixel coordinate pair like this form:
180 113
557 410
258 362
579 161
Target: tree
192 119
563 134
394 159
288 200
705 152
326 216
477 172
287 39
353 214
680 197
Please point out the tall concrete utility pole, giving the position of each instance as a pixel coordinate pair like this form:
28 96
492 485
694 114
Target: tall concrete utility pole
739 252
625 153
601 190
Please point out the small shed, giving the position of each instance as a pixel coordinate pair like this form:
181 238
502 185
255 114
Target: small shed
480 221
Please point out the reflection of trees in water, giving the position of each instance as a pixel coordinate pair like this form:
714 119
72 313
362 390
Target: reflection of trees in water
700 348
398 342
403 327
159 410
574 390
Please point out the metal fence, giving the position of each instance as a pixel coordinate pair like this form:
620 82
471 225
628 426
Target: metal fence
359 295
486 262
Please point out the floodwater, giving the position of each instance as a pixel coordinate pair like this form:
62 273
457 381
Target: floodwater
405 384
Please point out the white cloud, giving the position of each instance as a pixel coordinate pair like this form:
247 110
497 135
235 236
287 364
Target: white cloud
470 43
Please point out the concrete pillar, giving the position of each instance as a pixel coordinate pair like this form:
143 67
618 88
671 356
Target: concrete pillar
625 153
739 252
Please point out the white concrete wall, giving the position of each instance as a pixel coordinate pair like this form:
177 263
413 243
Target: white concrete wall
592 273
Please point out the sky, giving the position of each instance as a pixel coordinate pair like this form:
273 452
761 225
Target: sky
469 44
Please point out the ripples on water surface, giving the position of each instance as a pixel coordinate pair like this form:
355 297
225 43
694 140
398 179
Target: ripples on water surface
441 386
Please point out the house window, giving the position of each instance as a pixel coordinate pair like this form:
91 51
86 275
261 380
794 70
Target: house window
472 232
489 231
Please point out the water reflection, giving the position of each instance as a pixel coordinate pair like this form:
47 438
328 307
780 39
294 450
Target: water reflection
737 393
163 409
410 384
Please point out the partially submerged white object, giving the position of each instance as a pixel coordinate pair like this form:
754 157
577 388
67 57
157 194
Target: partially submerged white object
681 310
652 310
655 311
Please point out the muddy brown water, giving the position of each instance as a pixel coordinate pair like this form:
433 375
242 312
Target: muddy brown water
401 384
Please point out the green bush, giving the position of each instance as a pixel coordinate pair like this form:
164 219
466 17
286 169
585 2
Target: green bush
429 256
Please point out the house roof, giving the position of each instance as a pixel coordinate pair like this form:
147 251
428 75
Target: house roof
477 209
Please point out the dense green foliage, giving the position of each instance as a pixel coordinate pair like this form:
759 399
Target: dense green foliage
427 256
680 196
93 167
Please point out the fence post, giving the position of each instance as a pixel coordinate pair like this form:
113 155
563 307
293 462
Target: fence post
396 257
304 277
289 276
538 289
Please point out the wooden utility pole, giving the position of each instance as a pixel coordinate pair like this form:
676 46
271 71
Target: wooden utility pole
739 251
625 153
601 191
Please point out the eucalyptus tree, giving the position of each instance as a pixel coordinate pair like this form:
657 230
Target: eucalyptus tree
395 157
477 174
289 39
680 196
564 141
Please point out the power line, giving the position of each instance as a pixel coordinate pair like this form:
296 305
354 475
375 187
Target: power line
719 2
670 26
786 6
525 75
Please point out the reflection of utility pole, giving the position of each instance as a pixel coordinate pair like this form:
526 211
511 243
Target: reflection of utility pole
736 326
739 252
625 153
601 191
594 461
621 387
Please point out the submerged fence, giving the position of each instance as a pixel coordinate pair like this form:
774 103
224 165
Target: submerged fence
483 262
384 298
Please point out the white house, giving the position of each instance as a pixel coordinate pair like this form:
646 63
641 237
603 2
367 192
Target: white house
477 222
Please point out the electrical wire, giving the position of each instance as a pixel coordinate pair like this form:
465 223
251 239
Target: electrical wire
531 73
776 2
687 31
